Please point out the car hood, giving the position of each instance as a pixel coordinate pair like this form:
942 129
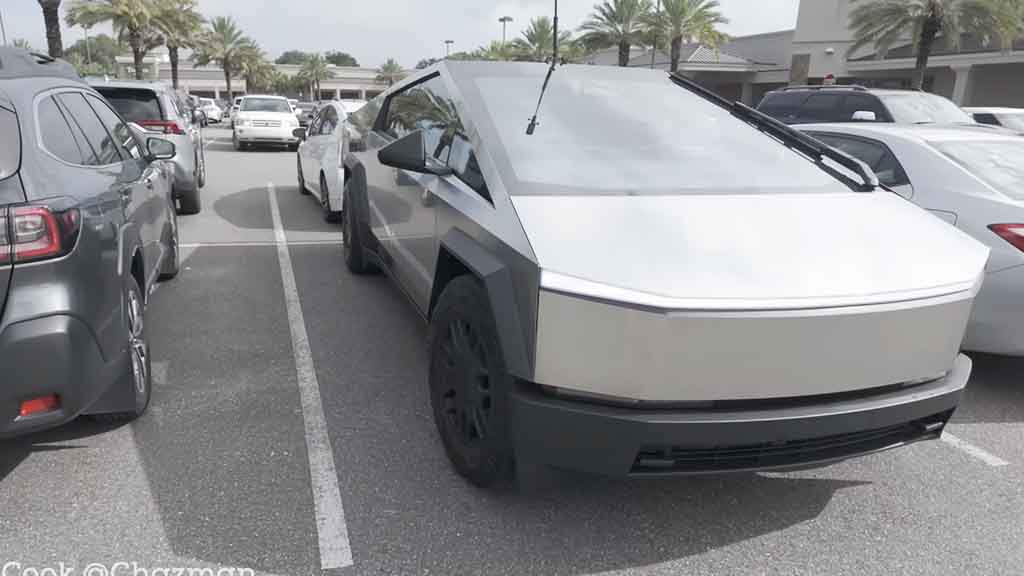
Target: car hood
761 251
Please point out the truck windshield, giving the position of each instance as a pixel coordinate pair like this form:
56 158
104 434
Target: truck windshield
10 143
634 133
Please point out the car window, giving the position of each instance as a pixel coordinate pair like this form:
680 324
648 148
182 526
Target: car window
136 105
999 163
985 118
923 108
873 153
91 158
428 107
266 105
55 134
95 133
823 107
113 123
782 105
360 123
463 161
10 143
863 103
328 121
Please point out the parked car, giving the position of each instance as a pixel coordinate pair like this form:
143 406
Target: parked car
156 107
265 120
1008 118
606 291
972 180
237 104
212 110
87 226
305 112
806 104
321 150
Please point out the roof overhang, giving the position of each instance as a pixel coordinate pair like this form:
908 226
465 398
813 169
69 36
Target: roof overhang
939 61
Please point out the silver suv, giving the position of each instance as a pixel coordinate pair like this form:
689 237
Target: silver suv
155 107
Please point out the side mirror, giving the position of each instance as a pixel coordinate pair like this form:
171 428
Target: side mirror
864 116
160 149
299 133
409 153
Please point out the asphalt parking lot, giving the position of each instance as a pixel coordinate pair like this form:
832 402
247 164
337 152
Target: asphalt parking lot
228 467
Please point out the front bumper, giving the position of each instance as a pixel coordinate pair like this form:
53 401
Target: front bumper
275 135
50 355
740 436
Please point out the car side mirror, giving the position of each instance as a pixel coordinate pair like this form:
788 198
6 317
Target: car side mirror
299 133
160 149
409 153
864 116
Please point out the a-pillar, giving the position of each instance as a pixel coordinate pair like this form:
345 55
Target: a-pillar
747 93
962 87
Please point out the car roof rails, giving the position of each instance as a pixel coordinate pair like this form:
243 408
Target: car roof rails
18 63
856 87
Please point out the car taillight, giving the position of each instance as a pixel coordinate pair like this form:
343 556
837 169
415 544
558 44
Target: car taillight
1012 233
31 233
165 126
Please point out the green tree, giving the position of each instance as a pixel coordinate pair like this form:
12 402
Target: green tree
96 59
132 21
341 59
292 57
686 21
390 71
314 70
537 40
180 25
51 18
1003 19
427 63
496 50
885 22
255 69
616 23
225 45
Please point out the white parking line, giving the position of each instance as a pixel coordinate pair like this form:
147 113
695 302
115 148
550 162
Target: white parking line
973 451
260 243
335 549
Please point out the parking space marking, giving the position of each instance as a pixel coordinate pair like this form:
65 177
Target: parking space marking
335 549
258 243
973 451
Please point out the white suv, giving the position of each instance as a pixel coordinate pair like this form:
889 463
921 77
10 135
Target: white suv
265 120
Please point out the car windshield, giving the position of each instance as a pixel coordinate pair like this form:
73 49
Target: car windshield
1000 164
136 105
306 107
265 105
633 133
1014 121
10 143
924 108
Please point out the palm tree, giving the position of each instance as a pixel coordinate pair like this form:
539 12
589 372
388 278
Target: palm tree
132 21
254 68
885 22
536 41
51 16
616 23
495 51
314 70
390 72
225 45
180 24
1003 18
687 21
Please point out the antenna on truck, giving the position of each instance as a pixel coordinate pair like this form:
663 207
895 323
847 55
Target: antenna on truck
554 62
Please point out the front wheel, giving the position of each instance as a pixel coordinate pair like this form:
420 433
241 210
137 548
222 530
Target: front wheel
330 214
469 385
351 240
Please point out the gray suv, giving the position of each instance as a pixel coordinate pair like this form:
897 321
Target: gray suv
157 108
87 226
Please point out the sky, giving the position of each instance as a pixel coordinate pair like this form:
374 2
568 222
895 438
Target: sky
407 30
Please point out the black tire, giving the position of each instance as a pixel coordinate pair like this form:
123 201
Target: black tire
235 142
190 202
293 147
330 214
139 373
302 179
352 244
201 166
172 261
469 384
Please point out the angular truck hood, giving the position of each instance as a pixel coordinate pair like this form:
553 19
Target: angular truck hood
761 251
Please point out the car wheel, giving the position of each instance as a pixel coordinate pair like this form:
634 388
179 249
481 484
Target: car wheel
302 179
293 147
201 163
325 200
351 242
172 261
235 142
139 369
190 202
468 384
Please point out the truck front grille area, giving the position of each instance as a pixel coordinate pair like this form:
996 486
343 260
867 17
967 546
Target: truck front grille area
655 460
266 123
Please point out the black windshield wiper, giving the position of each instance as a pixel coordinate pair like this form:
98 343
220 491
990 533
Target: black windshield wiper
789 136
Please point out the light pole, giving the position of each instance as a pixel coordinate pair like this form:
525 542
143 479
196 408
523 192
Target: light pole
448 47
3 31
504 22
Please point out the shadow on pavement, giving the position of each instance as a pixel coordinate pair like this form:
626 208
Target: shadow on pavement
246 209
14 451
995 392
